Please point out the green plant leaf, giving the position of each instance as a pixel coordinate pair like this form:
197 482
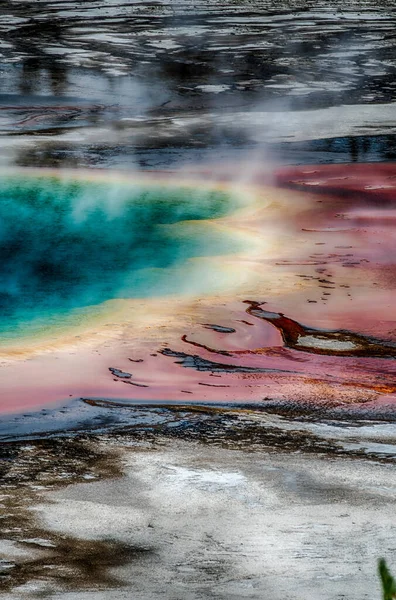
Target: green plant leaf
387 581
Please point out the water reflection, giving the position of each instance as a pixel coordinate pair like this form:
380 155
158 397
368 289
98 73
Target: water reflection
198 61
40 72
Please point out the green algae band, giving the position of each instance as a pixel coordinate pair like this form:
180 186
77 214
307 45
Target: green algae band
66 244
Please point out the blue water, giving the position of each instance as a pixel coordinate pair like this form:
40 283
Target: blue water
68 244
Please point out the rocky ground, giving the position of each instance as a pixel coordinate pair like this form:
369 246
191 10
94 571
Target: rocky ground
198 502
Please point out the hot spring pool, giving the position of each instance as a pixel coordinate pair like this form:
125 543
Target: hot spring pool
69 243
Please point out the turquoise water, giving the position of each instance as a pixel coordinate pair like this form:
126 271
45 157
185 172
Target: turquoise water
68 245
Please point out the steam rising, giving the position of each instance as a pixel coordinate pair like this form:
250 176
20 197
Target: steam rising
67 244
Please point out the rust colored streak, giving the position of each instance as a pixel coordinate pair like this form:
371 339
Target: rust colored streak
208 348
217 385
136 384
380 389
293 334
272 352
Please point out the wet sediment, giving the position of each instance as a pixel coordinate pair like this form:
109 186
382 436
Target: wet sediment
67 562
40 463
